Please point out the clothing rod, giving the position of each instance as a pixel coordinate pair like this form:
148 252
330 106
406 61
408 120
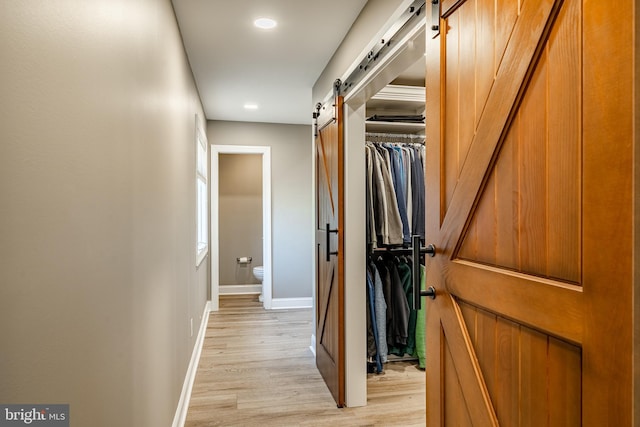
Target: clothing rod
423 250
394 135
394 139
394 251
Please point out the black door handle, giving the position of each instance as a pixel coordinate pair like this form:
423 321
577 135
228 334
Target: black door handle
429 292
415 270
328 243
416 251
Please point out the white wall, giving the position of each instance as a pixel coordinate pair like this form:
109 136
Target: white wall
369 27
291 180
98 283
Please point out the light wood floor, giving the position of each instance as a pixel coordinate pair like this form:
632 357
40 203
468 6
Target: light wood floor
256 369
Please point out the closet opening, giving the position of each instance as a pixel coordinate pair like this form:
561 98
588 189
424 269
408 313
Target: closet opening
384 145
395 227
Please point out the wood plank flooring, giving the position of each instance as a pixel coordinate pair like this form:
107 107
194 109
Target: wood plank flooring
256 368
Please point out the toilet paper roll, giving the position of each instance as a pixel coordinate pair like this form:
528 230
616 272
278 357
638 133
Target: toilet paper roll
244 260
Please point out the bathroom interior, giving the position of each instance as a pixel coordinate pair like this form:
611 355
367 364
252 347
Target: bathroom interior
241 233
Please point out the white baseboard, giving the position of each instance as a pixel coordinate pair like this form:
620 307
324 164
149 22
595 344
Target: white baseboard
240 289
289 303
183 404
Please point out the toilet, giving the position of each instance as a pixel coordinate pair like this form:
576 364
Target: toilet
258 272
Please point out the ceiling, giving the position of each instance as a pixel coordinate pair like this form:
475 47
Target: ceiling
235 63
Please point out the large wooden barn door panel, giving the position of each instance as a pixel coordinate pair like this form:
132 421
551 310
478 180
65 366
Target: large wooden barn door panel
510 186
329 249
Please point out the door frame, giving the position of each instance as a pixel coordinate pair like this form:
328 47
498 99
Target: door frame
265 151
405 53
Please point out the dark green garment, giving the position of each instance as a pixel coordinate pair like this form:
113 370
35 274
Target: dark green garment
421 343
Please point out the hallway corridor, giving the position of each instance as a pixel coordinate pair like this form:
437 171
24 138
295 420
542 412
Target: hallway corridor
256 368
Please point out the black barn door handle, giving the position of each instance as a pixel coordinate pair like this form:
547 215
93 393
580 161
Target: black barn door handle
328 243
429 292
416 253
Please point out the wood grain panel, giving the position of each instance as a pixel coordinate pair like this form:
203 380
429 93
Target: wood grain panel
520 297
610 143
466 363
485 223
537 173
328 332
564 154
506 17
531 377
467 80
486 349
469 248
506 90
532 166
433 220
455 410
452 108
485 36
469 314
507 372
435 367
565 383
507 207
534 406
465 14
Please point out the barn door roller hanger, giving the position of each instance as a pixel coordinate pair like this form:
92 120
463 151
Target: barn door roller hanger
435 15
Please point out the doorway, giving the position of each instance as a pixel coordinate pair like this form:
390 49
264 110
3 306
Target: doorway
407 56
265 153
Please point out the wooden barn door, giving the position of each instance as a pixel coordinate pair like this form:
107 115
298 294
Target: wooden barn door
529 203
329 248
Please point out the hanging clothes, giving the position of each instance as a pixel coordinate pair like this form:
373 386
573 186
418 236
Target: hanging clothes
371 311
417 181
399 330
395 193
395 211
393 327
398 178
386 216
380 308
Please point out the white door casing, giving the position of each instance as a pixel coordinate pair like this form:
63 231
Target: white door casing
216 150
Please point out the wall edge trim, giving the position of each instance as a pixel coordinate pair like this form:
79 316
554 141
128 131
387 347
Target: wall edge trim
291 303
245 289
180 416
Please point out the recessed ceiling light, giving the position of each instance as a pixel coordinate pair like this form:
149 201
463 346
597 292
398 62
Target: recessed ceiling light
265 23
250 106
